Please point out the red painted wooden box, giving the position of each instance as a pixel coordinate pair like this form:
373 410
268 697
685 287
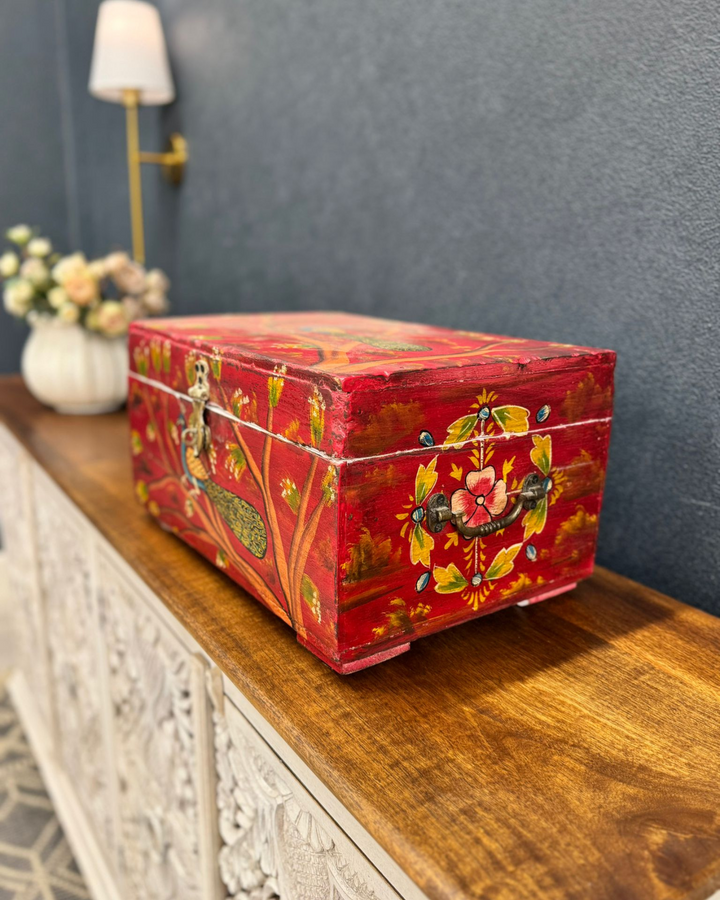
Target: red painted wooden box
370 481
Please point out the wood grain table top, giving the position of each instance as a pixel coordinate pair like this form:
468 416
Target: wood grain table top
566 750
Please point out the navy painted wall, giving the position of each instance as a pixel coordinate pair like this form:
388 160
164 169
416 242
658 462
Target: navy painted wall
544 168
33 170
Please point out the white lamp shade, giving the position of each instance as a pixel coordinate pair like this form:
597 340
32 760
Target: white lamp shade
130 54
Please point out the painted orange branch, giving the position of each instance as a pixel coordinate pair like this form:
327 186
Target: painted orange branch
278 549
306 543
158 436
300 523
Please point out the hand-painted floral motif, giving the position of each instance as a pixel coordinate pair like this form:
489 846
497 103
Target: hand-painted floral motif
483 498
421 541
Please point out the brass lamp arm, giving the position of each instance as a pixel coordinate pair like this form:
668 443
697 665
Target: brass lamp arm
173 162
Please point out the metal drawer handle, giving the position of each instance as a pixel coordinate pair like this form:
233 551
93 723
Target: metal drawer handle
439 512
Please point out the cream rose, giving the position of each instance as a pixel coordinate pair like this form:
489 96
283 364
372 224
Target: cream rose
57 296
9 264
18 296
111 318
130 278
69 313
19 234
35 271
74 274
115 261
39 246
155 302
98 269
156 280
133 308
69 267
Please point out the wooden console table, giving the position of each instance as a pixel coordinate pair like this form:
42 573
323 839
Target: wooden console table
195 750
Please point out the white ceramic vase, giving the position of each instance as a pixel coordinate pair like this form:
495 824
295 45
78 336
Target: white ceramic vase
73 370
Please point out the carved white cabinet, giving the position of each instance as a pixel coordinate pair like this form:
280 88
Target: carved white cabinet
165 788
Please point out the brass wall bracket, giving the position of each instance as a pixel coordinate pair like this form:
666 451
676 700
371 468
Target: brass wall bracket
172 161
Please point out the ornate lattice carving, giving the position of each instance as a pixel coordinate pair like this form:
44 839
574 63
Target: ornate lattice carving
272 846
155 746
19 540
65 576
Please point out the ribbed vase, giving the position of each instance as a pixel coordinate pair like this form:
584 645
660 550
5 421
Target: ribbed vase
73 370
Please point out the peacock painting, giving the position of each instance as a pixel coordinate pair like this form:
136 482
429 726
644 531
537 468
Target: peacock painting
240 516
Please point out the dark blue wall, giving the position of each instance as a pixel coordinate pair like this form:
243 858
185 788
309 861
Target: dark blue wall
543 168
33 164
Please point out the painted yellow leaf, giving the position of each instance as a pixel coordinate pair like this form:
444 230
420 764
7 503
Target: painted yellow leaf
456 472
450 580
534 521
507 468
511 418
425 481
421 544
541 454
460 430
452 540
503 562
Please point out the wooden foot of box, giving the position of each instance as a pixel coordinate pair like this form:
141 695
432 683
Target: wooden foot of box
356 665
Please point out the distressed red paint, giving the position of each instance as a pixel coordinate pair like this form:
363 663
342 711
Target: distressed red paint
338 428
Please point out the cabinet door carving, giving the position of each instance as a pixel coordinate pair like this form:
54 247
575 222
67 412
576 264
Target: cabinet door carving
276 842
158 706
18 534
64 557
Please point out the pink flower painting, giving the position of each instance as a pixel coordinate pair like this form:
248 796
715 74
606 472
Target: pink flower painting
482 499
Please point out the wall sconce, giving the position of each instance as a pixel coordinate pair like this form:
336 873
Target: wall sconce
130 66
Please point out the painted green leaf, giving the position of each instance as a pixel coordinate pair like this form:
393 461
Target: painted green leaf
290 494
511 418
421 545
460 430
449 580
535 519
425 481
541 454
236 462
503 562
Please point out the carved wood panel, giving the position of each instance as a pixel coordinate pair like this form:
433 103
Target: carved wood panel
276 841
65 567
155 693
18 536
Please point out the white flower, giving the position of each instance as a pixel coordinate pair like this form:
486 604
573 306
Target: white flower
115 261
18 296
133 308
9 264
111 318
98 269
156 280
19 234
39 246
69 267
74 274
57 296
35 271
155 302
69 313
129 278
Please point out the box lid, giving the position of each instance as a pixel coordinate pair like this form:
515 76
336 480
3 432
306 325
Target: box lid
349 364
